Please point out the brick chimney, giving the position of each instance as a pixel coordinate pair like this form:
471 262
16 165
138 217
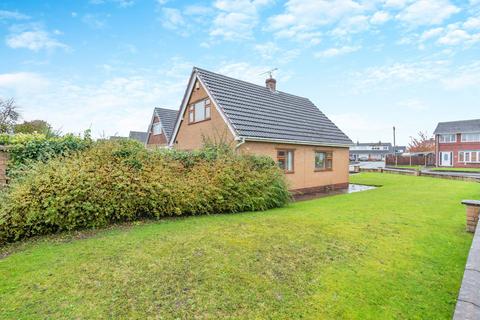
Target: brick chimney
271 84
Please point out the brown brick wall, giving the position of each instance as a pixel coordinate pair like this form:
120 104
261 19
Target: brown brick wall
304 175
3 167
472 217
190 136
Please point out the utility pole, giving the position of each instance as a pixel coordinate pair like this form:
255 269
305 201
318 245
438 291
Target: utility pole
395 147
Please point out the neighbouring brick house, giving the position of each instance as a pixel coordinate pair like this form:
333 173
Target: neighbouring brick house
160 127
457 144
311 149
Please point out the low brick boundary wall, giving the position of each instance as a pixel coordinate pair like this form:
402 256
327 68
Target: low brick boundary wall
410 172
468 301
3 166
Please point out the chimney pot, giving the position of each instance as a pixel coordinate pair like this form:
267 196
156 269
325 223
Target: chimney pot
271 84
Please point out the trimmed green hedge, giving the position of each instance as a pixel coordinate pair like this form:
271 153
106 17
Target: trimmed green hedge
116 181
26 149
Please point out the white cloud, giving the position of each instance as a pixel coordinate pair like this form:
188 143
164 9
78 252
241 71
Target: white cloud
267 50
94 21
252 73
23 82
465 77
236 19
436 72
172 18
120 3
196 10
244 71
427 12
432 33
472 23
380 17
333 52
351 25
454 37
270 51
33 38
115 105
301 19
13 15
413 104
398 74
395 3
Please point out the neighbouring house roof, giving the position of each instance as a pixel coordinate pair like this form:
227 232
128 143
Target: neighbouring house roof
374 144
139 136
117 138
463 126
257 113
168 118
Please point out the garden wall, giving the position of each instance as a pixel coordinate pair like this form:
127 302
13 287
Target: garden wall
3 166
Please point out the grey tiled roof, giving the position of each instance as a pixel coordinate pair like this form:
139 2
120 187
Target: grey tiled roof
458 126
167 118
256 112
139 136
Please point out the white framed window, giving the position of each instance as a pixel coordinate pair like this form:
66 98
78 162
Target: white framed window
199 111
285 160
471 137
323 160
157 128
469 156
447 138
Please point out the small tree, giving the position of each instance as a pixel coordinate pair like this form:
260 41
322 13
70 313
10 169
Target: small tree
9 115
34 126
422 143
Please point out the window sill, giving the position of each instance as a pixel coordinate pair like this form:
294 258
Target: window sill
322 170
189 123
289 172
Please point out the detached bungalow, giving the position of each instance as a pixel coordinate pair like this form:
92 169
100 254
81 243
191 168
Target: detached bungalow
457 144
311 149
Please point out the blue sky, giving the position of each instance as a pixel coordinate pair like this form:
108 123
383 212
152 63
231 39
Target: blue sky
368 65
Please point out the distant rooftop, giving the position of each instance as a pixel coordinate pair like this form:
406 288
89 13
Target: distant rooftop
139 136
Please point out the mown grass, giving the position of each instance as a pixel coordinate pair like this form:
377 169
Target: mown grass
396 252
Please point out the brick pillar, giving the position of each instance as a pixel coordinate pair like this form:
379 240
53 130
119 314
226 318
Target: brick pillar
473 210
3 167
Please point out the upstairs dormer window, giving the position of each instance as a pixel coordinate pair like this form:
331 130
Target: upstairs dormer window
471 137
199 111
448 138
157 128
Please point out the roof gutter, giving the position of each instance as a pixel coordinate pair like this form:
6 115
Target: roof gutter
310 143
238 145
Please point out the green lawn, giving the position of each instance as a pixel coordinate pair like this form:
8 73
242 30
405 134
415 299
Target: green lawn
457 169
396 252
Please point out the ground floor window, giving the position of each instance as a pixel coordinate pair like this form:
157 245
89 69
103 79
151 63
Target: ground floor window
469 156
323 160
285 160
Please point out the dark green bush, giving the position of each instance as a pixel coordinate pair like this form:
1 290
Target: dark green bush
26 149
117 181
